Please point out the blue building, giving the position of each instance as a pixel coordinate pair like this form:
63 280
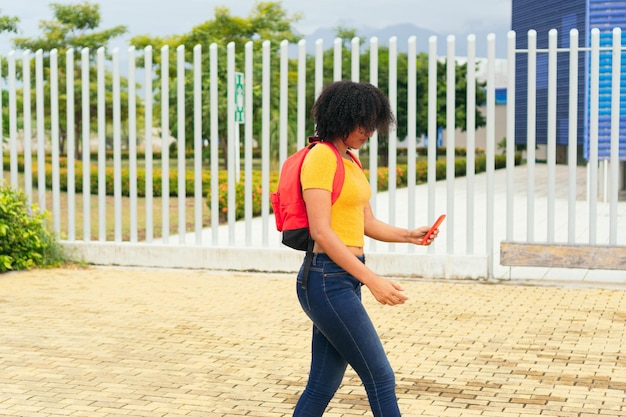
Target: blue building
564 15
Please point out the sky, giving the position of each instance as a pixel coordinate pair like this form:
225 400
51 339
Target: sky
158 17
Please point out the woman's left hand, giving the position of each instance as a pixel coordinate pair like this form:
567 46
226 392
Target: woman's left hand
416 235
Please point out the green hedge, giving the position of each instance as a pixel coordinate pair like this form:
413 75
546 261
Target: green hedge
421 172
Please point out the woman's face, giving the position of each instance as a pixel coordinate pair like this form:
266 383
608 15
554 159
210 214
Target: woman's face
357 138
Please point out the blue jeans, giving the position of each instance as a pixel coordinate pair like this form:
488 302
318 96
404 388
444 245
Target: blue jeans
342 334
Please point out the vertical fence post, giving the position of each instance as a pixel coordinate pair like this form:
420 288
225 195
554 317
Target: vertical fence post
450 140
301 115
572 136
373 142
356 60
231 145
510 137
470 166
41 147
148 97
249 123
319 66
101 147
71 186
551 133
432 130
265 138
411 132
13 121
531 125
616 98
284 101
490 151
117 146
165 144
86 142
594 133
393 133
337 52
54 137
132 143
197 142
181 142
28 160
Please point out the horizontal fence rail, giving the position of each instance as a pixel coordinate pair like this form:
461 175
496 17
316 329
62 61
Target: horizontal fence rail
171 125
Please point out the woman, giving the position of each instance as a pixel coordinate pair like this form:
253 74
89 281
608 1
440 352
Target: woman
346 114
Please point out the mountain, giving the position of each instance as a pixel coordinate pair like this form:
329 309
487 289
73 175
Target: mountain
403 32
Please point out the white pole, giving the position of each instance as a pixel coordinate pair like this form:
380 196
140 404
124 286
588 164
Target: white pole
165 145
101 147
337 73
471 142
615 131
86 134
41 147
265 139
117 146
248 119
148 96
232 146
284 100
356 60
373 142
593 133
302 110
54 137
12 121
393 134
450 140
490 151
432 130
214 147
28 152
181 142
132 143
510 138
411 132
531 118
319 66
71 139
572 136
197 147
551 134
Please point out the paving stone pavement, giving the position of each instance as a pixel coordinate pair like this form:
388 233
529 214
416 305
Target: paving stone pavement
102 342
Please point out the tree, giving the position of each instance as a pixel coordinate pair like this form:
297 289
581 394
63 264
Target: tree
74 26
7 24
267 21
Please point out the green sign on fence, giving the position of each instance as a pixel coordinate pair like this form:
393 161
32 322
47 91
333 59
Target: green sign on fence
239 98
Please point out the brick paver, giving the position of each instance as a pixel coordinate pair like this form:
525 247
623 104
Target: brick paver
117 342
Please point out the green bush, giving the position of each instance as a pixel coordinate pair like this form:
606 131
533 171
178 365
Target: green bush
25 242
421 172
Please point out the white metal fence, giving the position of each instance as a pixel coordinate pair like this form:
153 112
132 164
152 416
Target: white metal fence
482 209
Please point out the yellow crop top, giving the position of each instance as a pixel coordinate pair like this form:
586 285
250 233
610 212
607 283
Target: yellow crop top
347 218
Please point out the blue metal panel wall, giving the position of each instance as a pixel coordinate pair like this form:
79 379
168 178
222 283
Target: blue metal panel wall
542 16
606 15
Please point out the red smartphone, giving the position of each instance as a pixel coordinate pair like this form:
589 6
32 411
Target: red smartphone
433 228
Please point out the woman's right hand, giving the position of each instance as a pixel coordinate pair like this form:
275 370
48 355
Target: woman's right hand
387 292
